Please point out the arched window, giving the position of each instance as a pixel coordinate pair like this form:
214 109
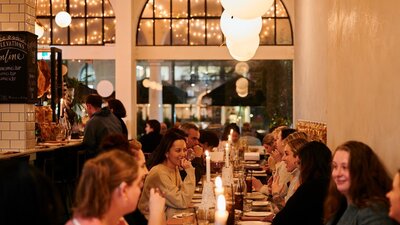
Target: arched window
87 75
93 22
196 22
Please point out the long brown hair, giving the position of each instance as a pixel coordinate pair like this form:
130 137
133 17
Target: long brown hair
370 180
100 177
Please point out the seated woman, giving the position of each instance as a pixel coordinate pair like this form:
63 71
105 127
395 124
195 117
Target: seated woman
109 187
358 186
282 192
305 205
291 159
394 198
166 160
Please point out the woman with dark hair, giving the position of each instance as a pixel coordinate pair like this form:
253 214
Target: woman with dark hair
305 205
152 138
234 128
166 160
358 186
394 198
119 111
27 196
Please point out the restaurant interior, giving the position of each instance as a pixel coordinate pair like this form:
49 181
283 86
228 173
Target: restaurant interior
329 64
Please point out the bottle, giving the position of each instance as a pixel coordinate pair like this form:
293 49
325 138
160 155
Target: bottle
240 192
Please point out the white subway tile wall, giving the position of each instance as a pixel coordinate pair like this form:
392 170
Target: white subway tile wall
17 127
17 121
17 15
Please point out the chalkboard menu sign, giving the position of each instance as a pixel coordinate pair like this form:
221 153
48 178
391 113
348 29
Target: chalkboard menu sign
18 68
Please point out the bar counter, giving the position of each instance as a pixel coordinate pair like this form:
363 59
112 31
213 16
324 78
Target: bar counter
40 147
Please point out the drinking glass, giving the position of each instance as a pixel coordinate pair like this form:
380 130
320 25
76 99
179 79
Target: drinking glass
190 154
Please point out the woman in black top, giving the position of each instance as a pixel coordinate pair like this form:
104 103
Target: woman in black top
306 204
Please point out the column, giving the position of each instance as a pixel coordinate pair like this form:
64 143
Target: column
155 95
17 121
125 64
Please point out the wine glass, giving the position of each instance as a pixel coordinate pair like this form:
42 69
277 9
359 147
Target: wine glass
190 154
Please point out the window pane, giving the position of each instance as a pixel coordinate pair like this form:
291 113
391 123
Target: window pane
214 34
145 32
270 12
197 32
76 9
267 32
59 35
42 8
161 8
197 8
45 39
108 10
148 10
280 10
94 8
214 8
284 35
109 30
77 29
179 32
162 32
94 31
58 7
179 9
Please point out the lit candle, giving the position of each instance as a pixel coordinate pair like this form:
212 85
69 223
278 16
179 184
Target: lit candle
208 166
219 190
230 136
226 155
221 215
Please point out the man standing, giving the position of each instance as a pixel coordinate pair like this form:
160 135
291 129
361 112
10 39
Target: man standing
101 123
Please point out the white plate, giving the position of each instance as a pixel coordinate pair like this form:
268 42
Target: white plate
253 223
253 213
197 195
181 215
255 196
257 171
261 203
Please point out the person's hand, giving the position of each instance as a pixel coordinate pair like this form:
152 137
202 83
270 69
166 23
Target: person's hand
156 207
256 183
198 151
156 201
185 164
269 218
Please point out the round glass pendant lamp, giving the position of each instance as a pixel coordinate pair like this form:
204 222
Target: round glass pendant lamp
238 29
243 50
63 19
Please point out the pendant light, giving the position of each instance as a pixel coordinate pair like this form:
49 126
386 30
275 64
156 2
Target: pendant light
63 18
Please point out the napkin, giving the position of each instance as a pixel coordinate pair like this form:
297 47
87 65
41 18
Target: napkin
252 156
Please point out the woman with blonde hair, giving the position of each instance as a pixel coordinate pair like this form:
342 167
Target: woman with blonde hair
358 186
109 188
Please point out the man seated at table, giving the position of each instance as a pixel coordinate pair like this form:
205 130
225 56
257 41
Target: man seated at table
192 142
101 123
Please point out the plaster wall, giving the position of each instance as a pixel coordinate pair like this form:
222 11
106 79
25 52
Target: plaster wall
350 60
